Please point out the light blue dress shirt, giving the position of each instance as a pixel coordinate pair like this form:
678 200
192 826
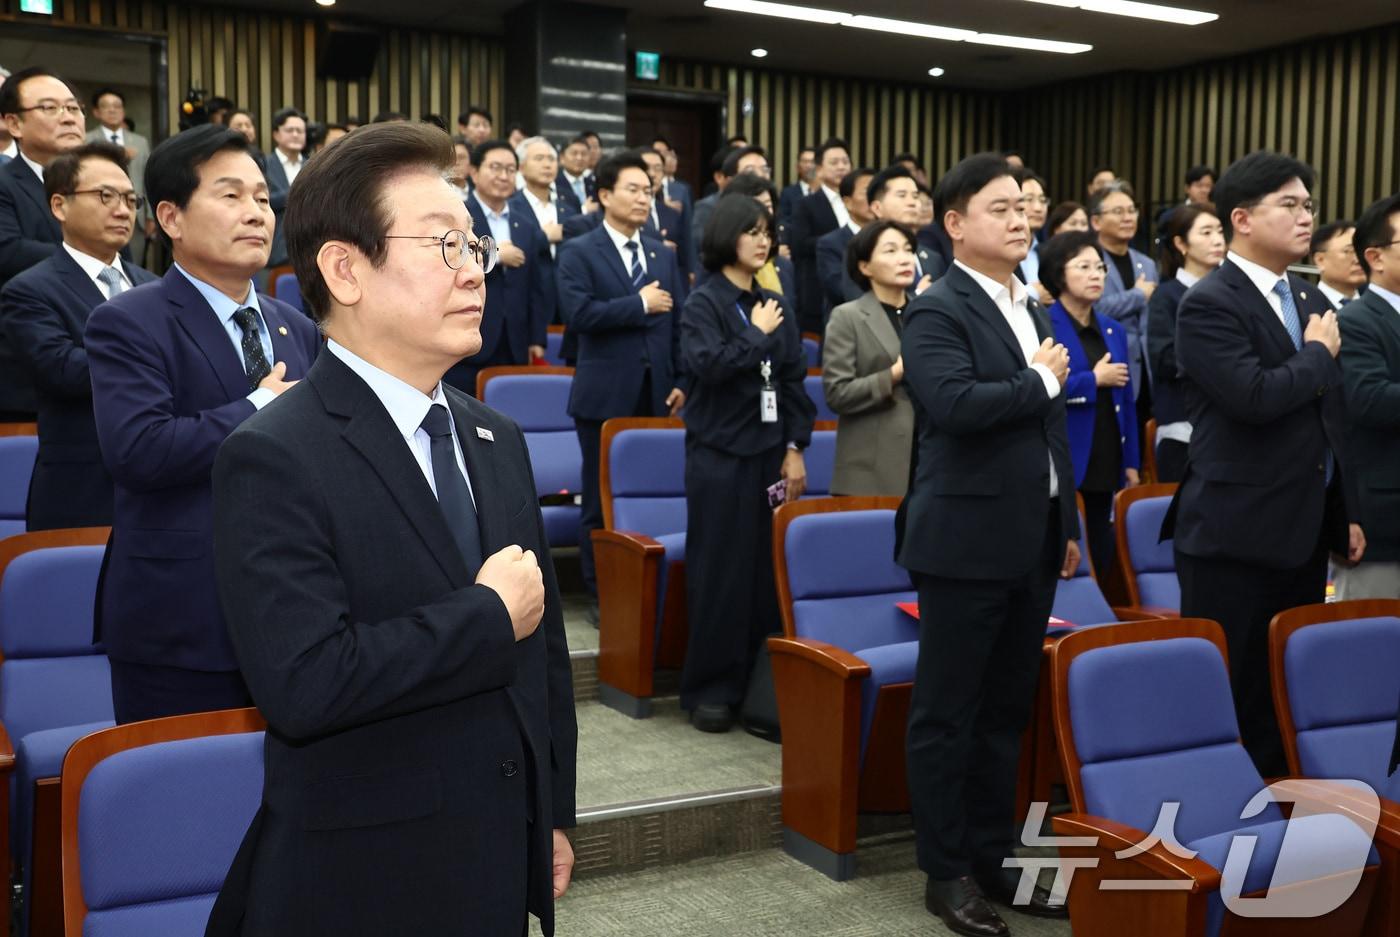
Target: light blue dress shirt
224 308
499 224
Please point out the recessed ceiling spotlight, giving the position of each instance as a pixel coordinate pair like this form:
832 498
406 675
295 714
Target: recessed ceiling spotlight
936 72
325 3
759 53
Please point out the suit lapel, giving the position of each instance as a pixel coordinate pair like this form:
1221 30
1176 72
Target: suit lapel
1257 304
75 279
982 304
283 347
204 329
480 455
873 314
33 189
612 259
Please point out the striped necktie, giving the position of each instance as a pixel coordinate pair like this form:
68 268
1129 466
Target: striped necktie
639 275
113 280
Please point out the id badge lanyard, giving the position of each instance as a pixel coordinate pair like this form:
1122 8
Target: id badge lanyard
768 396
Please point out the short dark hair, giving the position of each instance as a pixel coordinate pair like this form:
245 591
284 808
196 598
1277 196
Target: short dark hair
1116 187
242 110
388 117
963 181
580 140
485 146
907 158
847 188
661 138
609 169
436 120
1327 232
588 132
339 196
1101 167
284 115
353 121
1374 228
1197 173
1026 174
807 149
883 178
9 91
1007 154
1061 213
751 185
1248 179
465 117
103 92
1056 253
1178 225
730 219
172 170
861 248
731 162
61 175
737 138
644 151
720 156
832 143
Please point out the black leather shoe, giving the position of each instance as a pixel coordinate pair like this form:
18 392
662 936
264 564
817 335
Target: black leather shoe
1000 886
960 904
712 717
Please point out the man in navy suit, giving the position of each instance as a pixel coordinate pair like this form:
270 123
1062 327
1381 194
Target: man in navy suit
46 308
817 214
515 324
674 192
804 186
45 118
539 166
831 247
666 223
176 365
573 182
620 291
281 167
1267 493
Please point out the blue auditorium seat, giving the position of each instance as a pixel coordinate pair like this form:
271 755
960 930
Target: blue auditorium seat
55 684
159 822
820 461
843 672
538 399
1149 567
1078 599
1150 725
288 291
554 346
812 345
813 383
16 466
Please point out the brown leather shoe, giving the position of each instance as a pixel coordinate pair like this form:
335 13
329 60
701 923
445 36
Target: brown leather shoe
960 904
1000 886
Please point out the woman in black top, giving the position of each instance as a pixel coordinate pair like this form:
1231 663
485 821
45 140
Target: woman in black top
747 420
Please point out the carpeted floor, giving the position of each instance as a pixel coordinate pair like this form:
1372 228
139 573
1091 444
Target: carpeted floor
766 894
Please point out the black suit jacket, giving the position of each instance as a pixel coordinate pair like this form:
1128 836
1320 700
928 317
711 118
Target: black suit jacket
1262 416
1168 391
28 234
45 310
277 190
1370 362
410 736
813 218
979 502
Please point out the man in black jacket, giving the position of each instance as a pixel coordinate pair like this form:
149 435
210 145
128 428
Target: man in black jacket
387 584
991 522
1266 493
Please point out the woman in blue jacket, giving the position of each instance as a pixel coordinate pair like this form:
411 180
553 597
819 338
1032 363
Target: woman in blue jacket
1102 423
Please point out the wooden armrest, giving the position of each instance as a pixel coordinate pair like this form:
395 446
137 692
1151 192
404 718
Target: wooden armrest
840 662
1118 836
1338 797
1144 612
629 540
7 751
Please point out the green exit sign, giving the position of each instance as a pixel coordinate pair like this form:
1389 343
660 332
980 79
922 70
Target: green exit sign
36 6
649 66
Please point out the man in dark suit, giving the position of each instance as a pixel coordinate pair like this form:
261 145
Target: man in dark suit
45 309
831 247
666 222
1370 361
282 166
674 192
817 214
1266 492
383 565
539 165
574 181
620 292
990 523
519 309
803 186
46 119
175 366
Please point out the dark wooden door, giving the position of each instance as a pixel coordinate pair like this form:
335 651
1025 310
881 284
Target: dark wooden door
691 124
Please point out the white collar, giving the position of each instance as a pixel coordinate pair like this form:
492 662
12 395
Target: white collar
831 194
38 170
994 289
573 178
287 160
806 189
486 209
407 405
537 202
619 239
854 228
91 265
108 131
1262 277
1334 296
1187 279
11 151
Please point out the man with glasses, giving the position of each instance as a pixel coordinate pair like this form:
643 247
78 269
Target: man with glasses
44 311
1340 273
519 302
109 107
1267 492
1132 277
620 291
384 568
45 119
175 366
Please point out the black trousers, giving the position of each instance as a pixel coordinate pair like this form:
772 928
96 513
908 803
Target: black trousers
1243 598
731 600
150 691
1171 460
590 440
979 662
1098 521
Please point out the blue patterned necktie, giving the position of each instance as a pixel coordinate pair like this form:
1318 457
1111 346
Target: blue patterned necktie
454 497
1290 312
254 361
639 276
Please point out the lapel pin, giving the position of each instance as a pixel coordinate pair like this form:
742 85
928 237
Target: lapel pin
485 434
281 330
1110 331
1302 295
653 255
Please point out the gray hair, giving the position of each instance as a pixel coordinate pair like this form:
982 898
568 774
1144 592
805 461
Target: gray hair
523 147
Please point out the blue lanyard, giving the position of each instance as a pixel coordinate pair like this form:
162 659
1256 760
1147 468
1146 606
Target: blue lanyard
767 359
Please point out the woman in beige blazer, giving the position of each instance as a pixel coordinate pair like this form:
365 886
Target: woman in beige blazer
862 371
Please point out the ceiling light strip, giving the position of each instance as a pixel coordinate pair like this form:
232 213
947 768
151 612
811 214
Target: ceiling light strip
1146 11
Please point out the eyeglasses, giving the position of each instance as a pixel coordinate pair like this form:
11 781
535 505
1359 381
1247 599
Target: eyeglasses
1088 266
635 190
500 169
1294 207
52 109
456 245
107 196
1122 211
761 233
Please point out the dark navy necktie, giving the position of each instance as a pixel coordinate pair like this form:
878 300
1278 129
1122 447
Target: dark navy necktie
254 361
454 497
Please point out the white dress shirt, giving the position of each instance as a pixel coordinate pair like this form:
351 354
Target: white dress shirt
620 242
92 267
1334 296
120 135
498 223
1012 300
407 406
1263 279
290 166
11 151
224 308
38 170
843 217
546 212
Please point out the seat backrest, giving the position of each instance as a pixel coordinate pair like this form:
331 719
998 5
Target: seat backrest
539 403
289 291
158 827
1153 564
17 455
1343 678
813 385
1079 600
844 582
820 461
812 347
1153 722
647 474
554 348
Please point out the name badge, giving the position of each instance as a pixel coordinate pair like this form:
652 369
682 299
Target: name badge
768 405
